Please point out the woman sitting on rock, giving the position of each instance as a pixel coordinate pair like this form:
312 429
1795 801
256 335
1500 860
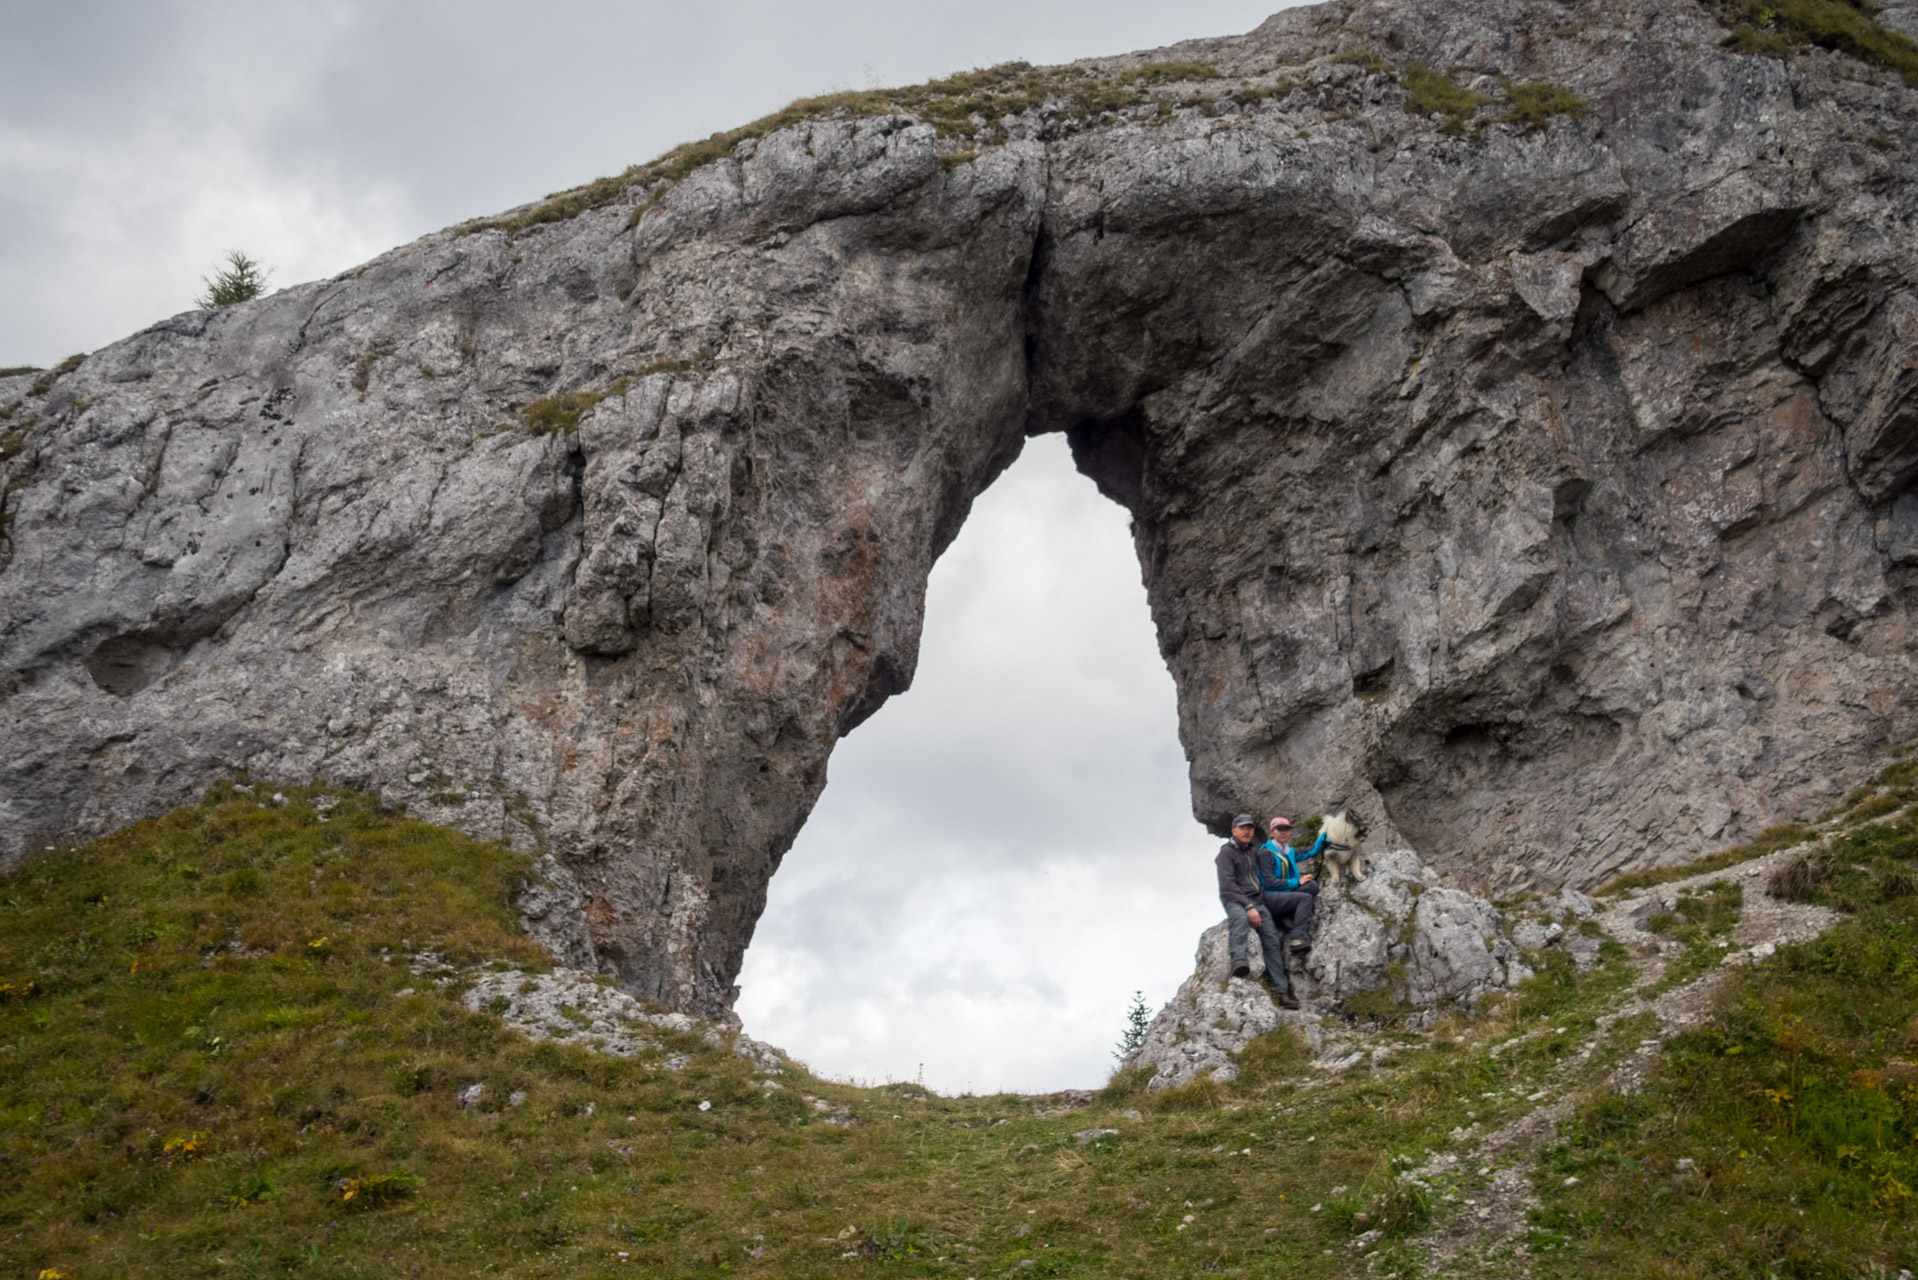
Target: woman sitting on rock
1288 896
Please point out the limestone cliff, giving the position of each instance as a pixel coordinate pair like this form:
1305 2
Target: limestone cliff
1520 453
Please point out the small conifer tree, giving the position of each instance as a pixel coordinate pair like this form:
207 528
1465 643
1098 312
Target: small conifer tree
241 280
1137 1018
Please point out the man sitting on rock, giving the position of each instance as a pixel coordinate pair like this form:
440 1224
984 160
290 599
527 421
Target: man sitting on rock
1240 893
1288 896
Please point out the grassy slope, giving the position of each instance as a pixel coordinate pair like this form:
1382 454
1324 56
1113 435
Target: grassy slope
170 1105
1798 1107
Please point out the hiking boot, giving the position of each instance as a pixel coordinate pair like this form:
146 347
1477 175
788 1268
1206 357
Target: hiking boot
1241 969
1299 946
1286 1000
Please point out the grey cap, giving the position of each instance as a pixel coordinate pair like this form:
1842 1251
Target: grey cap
1244 820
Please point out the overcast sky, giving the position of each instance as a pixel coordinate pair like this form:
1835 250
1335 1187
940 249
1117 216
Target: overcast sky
1032 775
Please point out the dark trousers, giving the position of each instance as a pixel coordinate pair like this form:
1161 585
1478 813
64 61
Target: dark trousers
1293 911
1238 931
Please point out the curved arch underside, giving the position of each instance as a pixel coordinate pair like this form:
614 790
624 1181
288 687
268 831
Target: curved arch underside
1541 497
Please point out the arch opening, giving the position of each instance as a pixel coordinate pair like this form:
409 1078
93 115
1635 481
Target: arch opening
1006 852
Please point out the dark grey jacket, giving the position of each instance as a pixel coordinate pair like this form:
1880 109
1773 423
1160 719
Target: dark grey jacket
1238 875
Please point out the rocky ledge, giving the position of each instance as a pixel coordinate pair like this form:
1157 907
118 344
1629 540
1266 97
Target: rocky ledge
1405 936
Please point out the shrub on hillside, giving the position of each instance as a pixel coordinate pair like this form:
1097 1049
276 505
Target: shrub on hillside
241 280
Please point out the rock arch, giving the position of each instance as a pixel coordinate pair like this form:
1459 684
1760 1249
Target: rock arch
1543 495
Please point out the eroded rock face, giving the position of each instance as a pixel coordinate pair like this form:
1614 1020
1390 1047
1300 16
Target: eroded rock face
1545 497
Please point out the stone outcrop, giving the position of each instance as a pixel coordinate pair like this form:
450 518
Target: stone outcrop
574 1007
1539 488
1427 945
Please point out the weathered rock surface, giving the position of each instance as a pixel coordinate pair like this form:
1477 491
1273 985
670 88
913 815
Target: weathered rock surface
573 1006
1213 1016
1545 496
1427 944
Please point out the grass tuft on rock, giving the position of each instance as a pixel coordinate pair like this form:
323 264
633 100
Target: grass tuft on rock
44 383
559 415
1365 59
1779 28
1531 104
1429 93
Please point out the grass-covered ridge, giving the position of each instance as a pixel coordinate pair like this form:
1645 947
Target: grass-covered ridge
971 104
218 1062
957 105
211 1069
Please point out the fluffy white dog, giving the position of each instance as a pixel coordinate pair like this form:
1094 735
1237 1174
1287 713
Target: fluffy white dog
1343 856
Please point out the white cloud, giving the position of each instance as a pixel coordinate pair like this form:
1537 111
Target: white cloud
109 222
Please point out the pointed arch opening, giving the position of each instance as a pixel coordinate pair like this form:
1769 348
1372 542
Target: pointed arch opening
1006 852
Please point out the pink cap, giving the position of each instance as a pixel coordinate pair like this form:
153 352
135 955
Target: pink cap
1282 822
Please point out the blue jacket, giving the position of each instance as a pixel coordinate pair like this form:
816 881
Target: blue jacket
1279 870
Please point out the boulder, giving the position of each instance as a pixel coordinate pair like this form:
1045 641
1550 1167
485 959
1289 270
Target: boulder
1405 930
1212 1017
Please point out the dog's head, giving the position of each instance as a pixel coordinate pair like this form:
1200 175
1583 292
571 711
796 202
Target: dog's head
1340 829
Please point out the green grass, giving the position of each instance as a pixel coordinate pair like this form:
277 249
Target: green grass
1797 1105
1798 1109
1429 92
19 370
1779 28
1702 921
1531 104
1875 862
210 1071
1770 840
